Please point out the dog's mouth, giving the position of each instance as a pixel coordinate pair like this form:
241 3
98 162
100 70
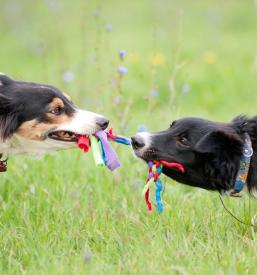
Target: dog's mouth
65 136
153 154
147 155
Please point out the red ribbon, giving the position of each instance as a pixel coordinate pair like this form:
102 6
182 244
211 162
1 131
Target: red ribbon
84 143
156 175
173 165
111 135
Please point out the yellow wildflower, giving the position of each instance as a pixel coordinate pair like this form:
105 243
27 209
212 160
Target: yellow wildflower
157 59
210 57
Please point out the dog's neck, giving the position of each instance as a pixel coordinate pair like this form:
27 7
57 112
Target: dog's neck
17 145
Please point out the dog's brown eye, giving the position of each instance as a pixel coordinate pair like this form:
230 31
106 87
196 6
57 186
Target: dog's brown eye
182 140
57 111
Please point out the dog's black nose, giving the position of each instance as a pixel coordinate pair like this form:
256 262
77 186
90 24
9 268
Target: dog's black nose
137 142
102 122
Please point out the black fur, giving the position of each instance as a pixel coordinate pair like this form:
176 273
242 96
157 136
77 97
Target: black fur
23 101
210 151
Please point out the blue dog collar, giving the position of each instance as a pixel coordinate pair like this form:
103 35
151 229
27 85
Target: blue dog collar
244 164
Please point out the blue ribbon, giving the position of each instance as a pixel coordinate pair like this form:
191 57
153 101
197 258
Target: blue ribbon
158 190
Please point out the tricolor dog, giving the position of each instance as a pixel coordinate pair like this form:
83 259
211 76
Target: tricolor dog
38 118
216 156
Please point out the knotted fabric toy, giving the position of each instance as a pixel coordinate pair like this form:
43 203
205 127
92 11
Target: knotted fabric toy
109 156
102 151
154 172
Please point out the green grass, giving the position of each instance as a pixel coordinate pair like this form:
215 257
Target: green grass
60 215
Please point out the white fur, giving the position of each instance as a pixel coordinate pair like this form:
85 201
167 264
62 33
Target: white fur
146 137
147 141
18 145
83 123
227 192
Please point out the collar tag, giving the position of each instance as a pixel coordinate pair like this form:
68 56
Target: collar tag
247 149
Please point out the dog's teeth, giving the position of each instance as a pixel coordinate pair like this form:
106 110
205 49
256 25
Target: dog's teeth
64 135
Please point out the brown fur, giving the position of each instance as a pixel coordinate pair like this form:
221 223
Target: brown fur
56 102
35 130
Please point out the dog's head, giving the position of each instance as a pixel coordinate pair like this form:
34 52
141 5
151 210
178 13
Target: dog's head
205 148
37 118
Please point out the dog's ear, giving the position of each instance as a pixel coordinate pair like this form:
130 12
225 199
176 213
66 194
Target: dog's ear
8 125
8 118
4 80
219 141
8 115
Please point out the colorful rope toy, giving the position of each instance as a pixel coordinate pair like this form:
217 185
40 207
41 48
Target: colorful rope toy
103 153
155 170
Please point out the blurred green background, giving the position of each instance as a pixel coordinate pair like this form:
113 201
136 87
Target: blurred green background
61 215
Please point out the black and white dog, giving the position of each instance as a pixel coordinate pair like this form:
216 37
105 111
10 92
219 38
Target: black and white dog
37 118
216 156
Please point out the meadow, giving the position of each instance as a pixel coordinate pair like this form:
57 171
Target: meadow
62 215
